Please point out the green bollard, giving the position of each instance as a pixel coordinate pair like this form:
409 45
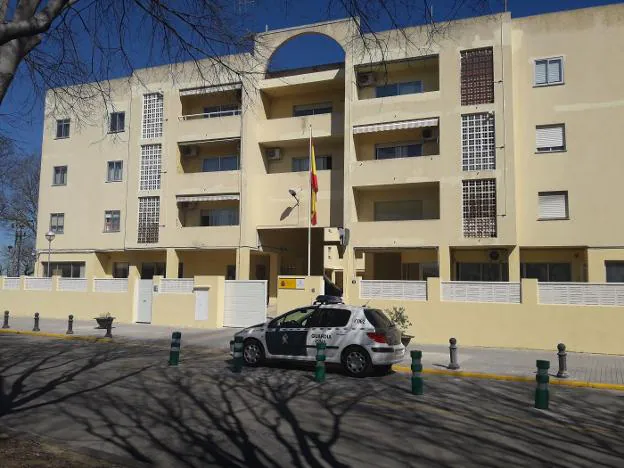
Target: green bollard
541 392
319 371
238 354
417 380
174 354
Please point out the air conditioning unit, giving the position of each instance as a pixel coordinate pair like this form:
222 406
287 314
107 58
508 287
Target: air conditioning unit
273 154
430 134
190 151
497 255
365 79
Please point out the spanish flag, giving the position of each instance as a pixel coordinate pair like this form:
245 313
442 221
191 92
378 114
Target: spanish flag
313 185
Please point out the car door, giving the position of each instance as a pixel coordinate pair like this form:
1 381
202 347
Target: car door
331 328
286 336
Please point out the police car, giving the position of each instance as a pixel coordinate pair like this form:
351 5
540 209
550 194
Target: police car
357 337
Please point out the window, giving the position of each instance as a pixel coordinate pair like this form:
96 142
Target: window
377 318
312 109
549 71
547 271
223 110
65 269
419 271
151 269
333 318
221 163
615 272
479 208
57 223
482 272
296 319
151 156
553 205
478 149
401 210
549 138
60 175
111 221
117 122
149 219
152 126
397 89
396 150
62 128
121 269
477 76
114 172
230 272
219 217
323 163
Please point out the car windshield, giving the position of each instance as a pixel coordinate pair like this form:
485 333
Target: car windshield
378 319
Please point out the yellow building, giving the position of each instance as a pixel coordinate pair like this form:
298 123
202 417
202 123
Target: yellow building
485 154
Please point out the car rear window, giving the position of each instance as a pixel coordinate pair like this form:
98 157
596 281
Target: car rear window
377 318
335 317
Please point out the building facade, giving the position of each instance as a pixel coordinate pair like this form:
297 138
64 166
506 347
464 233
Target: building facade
486 153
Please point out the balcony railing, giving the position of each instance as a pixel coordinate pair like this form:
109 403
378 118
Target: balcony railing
211 115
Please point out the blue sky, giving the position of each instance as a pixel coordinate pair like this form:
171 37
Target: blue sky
21 112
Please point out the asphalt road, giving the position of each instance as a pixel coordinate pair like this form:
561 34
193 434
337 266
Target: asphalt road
123 403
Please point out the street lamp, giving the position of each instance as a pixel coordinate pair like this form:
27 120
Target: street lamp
293 193
50 235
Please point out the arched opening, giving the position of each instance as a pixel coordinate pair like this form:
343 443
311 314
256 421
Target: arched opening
305 53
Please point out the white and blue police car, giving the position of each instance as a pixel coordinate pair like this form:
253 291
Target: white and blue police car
358 337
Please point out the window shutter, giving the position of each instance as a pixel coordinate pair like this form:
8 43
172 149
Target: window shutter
540 72
554 71
549 137
553 205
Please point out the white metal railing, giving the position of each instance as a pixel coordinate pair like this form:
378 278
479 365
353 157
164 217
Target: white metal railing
179 286
11 283
480 291
408 290
110 285
32 283
211 115
72 284
604 294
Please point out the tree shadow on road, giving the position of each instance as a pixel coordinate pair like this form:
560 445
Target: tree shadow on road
200 413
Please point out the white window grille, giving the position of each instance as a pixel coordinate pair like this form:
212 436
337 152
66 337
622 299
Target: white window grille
152 115
37 284
72 284
408 290
180 286
151 159
601 294
553 205
110 285
478 146
480 291
11 283
479 206
149 219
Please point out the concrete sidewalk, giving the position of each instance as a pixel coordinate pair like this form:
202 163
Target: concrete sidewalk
144 333
584 367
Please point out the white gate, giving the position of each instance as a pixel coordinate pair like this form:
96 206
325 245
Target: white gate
245 303
144 307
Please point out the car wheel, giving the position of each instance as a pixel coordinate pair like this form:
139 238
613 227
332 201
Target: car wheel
356 361
253 353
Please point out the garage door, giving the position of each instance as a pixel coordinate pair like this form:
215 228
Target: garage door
245 303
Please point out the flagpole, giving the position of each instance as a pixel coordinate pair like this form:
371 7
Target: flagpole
310 198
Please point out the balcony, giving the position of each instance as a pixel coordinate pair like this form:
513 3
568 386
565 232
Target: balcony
420 233
275 131
205 182
206 236
207 220
209 113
